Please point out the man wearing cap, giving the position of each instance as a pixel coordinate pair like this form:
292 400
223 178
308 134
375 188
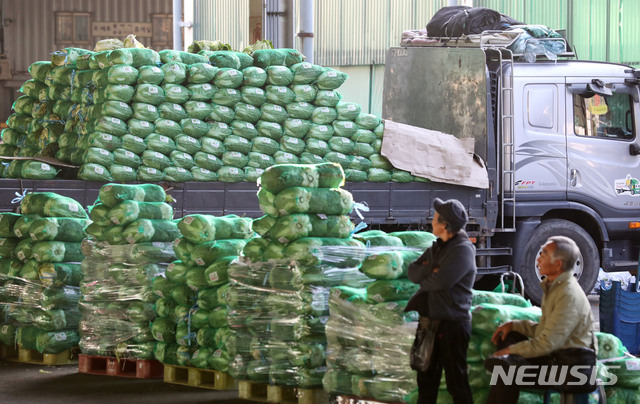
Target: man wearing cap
446 273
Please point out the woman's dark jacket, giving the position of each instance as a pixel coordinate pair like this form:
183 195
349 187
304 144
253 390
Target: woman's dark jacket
445 294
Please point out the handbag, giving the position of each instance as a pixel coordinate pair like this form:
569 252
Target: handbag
576 357
423 343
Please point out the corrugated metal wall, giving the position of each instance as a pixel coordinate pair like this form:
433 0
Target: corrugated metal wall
222 20
358 32
31 35
604 30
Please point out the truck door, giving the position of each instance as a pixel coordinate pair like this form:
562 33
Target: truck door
541 159
600 128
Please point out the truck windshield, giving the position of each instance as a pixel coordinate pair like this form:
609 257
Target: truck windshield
604 116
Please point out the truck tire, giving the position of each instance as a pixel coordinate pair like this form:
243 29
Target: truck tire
586 269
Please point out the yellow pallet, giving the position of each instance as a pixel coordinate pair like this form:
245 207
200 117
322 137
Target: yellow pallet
280 394
37 358
201 378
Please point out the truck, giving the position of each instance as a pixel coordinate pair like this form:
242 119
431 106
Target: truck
557 139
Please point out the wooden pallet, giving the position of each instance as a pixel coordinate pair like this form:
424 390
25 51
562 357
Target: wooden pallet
66 357
110 366
8 352
196 377
281 394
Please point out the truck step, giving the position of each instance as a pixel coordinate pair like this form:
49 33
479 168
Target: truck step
110 366
196 377
66 357
280 394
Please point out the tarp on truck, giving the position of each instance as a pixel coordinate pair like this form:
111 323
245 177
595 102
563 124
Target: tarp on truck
434 155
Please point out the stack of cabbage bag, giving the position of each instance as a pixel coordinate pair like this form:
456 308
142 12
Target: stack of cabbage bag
369 336
9 268
191 327
135 114
130 244
615 360
278 293
41 294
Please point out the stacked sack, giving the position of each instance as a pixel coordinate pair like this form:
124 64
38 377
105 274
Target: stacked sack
191 328
9 268
130 245
369 336
41 294
278 293
135 114
617 364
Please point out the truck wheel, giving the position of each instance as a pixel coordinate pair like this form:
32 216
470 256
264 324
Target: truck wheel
587 266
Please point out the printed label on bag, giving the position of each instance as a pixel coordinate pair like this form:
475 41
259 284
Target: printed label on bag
195 354
155 69
330 94
297 122
46 167
265 157
206 86
5 329
214 143
60 336
282 89
324 109
292 140
177 107
115 220
153 90
127 169
195 121
176 89
233 170
158 155
213 277
378 298
200 105
233 72
127 69
123 105
348 125
199 261
231 91
151 108
345 140
138 139
180 170
632 365
175 67
259 171
72 207
36 256
288 155
332 74
171 267
164 139
106 136
33 237
104 152
20 254
204 171
223 125
322 144
306 65
303 104
18 233
243 140
217 353
340 155
115 120
192 139
188 220
307 89
249 106
323 128
128 153
211 157
152 170
170 123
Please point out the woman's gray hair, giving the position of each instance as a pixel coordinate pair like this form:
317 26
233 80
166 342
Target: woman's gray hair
566 251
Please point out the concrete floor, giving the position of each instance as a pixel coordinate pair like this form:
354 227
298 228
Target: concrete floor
35 384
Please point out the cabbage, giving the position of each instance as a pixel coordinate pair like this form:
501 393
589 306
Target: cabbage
223 115
384 265
206 253
292 227
212 146
280 177
60 229
52 205
145 230
177 174
164 330
201 92
487 317
175 93
200 73
337 252
272 130
113 194
253 95
216 273
202 174
195 127
57 251
174 72
168 128
150 75
329 201
254 76
130 210
390 290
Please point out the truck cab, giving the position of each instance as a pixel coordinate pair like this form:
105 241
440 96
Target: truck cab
559 139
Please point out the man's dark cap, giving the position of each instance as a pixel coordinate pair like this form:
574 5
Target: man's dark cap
452 211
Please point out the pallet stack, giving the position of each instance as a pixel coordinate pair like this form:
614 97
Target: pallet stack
130 245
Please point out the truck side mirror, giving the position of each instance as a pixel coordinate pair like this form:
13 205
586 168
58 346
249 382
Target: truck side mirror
634 149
